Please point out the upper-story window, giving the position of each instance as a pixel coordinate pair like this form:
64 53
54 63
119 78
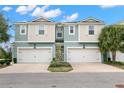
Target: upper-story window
91 30
59 34
71 30
22 29
41 30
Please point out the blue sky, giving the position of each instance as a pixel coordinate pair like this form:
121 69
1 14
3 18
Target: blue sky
108 13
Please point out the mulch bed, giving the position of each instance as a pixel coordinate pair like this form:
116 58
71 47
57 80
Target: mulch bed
119 85
2 66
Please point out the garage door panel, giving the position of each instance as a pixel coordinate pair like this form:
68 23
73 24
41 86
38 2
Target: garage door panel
119 56
84 55
34 55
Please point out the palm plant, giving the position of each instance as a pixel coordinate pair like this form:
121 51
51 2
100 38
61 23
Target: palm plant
110 39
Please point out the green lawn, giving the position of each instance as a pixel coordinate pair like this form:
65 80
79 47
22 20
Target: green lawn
116 64
60 67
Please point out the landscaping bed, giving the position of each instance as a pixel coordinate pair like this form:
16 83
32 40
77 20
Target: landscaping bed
60 67
4 63
116 64
2 66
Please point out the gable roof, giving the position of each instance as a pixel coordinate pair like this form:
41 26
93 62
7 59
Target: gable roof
41 19
37 20
91 20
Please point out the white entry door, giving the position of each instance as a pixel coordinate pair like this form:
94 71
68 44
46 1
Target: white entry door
83 55
26 55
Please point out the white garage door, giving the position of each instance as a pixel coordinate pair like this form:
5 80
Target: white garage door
34 55
83 55
119 56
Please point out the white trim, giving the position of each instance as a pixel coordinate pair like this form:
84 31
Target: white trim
83 41
71 41
86 47
92 18
89 41
78 32
33 48
54 41
73 30
21 30
42 18
35 41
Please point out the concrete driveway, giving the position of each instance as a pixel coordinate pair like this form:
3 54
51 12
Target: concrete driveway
94 67
25 68
42 68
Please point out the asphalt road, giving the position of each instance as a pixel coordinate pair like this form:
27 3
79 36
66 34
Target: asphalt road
61 80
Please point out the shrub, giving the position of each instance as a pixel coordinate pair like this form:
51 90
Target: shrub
114 62
8 61
5 61
15 60
54 59
2 62
60 64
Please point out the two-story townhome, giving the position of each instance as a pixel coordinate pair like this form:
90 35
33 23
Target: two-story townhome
34 41
81 40
38 40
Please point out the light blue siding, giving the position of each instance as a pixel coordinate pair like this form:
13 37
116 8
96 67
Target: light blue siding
68 37
19 37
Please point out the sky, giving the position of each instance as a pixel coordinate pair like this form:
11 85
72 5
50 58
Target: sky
110 14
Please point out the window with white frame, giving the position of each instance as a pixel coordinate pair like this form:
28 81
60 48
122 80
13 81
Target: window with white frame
71 30
41 30
22 29
91 30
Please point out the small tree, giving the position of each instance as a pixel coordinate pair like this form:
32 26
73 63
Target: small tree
110 39
4 37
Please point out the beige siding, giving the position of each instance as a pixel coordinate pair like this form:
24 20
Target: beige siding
48 36
84 33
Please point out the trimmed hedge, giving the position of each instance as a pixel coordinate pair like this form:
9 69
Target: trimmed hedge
5 61
115 62
60 64
56 66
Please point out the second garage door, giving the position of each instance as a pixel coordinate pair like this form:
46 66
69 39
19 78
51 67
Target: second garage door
119 56
27 55
83 55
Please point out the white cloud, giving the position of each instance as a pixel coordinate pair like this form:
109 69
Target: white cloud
25 9
70 18
107 6
7 8
41 11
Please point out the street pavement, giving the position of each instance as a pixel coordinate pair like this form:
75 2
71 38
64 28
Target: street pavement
62 80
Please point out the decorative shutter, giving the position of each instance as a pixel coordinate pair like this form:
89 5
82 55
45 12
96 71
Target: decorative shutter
37 29
86 30
45 29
